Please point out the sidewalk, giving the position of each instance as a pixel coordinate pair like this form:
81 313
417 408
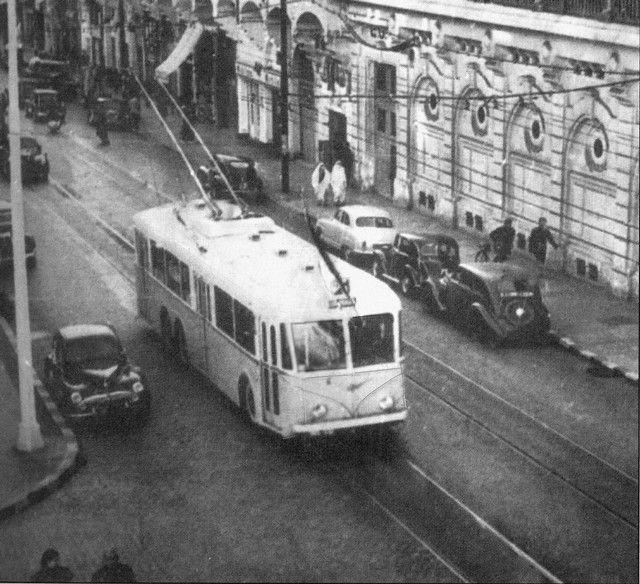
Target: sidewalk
28 477
586 319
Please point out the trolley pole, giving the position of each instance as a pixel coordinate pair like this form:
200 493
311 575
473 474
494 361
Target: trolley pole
29 436
284 95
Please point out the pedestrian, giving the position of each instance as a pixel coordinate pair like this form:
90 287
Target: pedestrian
101 127
339 184
112 570
502 239
51 570
538 239
320 181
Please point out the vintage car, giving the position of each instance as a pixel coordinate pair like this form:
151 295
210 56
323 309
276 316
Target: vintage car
26 86
54 74
240 171
89 376
414 257
495 301
35 164
42 104
120 114
357 231
6 242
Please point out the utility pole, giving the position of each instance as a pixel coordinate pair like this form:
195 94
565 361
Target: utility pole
124 49
29 436
284 94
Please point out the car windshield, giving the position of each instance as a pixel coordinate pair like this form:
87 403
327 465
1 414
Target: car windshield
95 351
47 100
383 222
319 345
371 339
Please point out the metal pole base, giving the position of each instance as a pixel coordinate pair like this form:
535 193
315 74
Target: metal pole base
29 437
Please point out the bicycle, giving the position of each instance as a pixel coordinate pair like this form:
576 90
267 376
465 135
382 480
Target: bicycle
483 252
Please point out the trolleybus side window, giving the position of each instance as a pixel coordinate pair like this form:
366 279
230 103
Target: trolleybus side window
275 387
157 261
319 345
203 297
185 286
285 350
371 339
245 327
141 248
173 273
265 368
224 311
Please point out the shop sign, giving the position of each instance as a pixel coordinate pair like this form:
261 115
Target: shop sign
244 70
272 78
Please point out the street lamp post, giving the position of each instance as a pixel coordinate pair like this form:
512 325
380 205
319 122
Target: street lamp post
284 95
29 436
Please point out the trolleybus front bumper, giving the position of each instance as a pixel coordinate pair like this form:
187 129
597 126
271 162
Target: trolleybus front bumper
349 423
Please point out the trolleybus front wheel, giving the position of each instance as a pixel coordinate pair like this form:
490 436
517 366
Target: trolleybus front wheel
247 401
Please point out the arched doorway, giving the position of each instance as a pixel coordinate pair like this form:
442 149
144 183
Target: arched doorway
308 37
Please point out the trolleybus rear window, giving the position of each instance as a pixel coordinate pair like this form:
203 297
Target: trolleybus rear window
371 339
319 345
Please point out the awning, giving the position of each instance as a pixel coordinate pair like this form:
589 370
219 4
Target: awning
181 51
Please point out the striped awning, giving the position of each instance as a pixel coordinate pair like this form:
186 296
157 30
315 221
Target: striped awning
181 51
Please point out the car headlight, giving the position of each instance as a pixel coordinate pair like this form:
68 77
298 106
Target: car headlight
76 398
386 403
320 411
138 387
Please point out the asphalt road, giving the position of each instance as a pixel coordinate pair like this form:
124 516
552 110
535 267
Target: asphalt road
199 494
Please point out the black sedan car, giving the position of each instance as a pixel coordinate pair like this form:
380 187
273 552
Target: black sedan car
89 376
240 171
495 301
43 104
413 258
35 164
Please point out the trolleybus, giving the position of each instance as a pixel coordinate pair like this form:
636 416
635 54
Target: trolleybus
256 310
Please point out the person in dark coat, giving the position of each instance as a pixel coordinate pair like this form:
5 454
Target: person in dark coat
502 239
101 127
538 239
112 570
51 570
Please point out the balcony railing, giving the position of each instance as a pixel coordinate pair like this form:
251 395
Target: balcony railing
619 11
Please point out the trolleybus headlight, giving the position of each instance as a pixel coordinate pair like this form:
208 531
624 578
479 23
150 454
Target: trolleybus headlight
138 387
386 403
320 411
76 398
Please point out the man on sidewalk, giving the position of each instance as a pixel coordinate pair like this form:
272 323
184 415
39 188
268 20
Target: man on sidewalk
339 184
538 239
502 239
320 181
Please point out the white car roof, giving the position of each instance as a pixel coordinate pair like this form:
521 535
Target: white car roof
365 211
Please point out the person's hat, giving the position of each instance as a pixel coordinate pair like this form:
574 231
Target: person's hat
508 220
48 556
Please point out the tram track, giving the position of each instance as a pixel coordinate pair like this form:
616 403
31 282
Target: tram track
589 475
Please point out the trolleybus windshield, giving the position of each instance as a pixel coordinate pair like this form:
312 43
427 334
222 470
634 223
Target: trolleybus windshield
371 339
319 345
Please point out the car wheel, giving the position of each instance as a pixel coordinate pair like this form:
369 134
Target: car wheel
247 401
406 284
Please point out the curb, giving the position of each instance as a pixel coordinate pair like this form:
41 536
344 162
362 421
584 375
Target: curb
72 460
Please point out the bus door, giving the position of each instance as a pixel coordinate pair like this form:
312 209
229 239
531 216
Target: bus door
141 275
270 374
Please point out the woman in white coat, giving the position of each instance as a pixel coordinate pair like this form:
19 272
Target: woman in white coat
320 181
339 183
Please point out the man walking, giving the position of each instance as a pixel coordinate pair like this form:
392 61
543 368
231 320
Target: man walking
538 239
502 239
112 570
51 570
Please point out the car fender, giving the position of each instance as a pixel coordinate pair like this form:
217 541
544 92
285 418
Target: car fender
431 292
489 319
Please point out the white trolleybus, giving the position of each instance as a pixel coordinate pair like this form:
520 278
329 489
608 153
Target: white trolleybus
255 309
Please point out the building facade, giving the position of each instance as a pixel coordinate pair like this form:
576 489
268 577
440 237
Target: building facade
469 111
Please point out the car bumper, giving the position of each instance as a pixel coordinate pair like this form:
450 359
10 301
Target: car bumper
104 405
